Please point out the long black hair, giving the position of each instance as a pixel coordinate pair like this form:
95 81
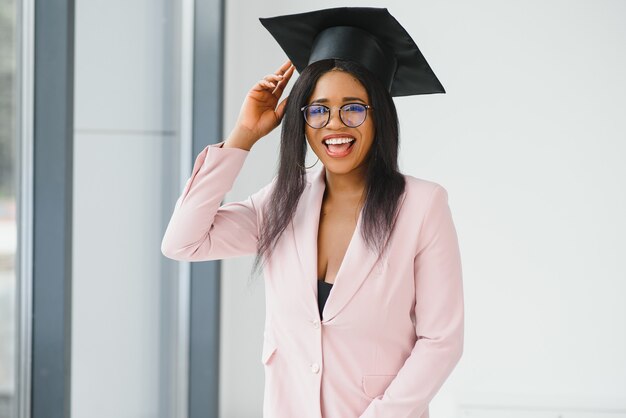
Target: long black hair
384 183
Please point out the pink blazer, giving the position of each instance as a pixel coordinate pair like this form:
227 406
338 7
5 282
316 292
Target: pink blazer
393 326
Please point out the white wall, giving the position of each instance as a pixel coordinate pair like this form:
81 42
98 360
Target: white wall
125 153
529 141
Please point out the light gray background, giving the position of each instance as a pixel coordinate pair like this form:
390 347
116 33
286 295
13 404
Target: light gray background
528 141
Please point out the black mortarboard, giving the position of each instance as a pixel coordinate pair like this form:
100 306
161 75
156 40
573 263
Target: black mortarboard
370 36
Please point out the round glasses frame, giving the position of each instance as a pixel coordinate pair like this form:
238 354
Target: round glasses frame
303 109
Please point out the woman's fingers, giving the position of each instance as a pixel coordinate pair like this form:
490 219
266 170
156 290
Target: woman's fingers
273 77
275 85
280 110
276 82
264 85
278 91
269 84
281 70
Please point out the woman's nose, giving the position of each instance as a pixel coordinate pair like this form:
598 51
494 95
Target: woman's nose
335 121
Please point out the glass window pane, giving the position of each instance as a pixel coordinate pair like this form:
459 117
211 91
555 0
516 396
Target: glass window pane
8 229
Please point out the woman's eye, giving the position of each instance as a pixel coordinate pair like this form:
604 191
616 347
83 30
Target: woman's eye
353 108
317 110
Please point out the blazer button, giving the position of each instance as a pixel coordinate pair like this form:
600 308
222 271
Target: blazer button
316 324
315 368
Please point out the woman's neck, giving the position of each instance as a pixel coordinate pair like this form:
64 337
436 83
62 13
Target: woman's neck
349 186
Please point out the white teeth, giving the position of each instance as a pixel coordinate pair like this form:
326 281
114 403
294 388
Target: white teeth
338 140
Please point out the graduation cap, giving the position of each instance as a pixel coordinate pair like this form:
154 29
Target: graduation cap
367 35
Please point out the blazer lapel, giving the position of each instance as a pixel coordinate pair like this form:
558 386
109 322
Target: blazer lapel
305 224
357 262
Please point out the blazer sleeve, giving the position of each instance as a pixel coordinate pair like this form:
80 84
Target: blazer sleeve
202 229
439 318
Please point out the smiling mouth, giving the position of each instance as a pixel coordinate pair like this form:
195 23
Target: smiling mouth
350 144
340 146
339 150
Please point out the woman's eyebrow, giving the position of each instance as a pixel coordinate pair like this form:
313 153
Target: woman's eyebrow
345 99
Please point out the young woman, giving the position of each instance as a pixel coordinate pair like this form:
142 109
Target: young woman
362 270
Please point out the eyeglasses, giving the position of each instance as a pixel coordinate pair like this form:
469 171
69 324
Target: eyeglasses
351 114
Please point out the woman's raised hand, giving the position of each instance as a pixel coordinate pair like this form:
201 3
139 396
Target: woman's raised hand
260 112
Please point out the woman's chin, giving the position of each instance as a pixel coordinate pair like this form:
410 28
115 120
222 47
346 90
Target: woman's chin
340 168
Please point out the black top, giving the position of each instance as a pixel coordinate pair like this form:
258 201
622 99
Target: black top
323 290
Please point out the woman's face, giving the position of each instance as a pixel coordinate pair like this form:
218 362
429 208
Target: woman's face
334 89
